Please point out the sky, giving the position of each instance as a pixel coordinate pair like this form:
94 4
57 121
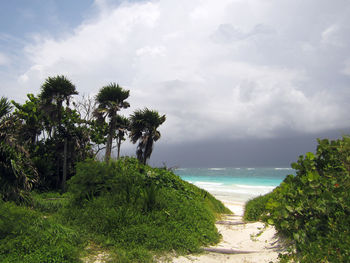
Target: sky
241 82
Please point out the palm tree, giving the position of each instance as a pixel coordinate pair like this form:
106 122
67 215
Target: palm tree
54 92
143 128
111 99
123 126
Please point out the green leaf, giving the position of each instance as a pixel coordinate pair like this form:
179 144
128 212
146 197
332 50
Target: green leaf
289 208
296 236
310 156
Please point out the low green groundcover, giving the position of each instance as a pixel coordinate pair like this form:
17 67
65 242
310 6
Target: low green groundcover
128 209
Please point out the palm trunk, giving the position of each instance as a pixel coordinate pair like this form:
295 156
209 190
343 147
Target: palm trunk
108 147
64 176
57 131
110 139
118 145
148 149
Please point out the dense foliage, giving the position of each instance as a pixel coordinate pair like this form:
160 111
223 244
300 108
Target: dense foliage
42 140
17 172
313 207
26 236
130 211
134 207
143 128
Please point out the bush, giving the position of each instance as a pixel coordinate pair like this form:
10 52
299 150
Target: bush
27 236
312 208
130 206
255 208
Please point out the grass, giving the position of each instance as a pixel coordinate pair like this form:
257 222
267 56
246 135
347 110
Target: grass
28 236
122 211
49 202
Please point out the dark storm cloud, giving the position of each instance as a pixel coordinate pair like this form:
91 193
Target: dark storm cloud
273 152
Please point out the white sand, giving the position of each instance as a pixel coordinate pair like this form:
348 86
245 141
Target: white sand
240 237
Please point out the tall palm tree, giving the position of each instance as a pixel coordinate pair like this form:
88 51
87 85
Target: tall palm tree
111 99
143 128
54 92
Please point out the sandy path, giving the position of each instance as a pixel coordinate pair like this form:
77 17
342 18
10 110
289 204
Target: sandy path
264 247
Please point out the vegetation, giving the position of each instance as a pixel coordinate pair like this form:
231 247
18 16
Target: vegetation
54 92
111 99
129 210
312 208
143 128
133 207
44 138
17 173
123 207
27 236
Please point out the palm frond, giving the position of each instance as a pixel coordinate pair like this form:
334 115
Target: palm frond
143 128
5 107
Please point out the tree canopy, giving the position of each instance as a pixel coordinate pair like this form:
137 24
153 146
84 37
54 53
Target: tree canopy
44 138
143 128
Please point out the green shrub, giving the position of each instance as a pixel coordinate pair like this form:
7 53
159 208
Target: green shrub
129 206
26 236
255 208
312 208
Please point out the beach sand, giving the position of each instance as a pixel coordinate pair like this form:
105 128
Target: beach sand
239 236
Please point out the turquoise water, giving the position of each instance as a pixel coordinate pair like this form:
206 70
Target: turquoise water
235 184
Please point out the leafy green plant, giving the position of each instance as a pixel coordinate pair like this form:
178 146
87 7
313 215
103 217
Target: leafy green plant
312 208
17 173
255 207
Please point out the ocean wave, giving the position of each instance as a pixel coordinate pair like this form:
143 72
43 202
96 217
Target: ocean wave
282 168
255 186
250 168
207 183
247 191
216 169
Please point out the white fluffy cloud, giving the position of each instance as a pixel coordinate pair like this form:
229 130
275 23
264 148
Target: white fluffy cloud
227 69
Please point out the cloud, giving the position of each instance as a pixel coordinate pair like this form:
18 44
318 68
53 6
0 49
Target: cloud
331 36
226 33
233 69
346 69
4 60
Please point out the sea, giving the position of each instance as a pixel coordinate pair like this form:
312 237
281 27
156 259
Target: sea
235 184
